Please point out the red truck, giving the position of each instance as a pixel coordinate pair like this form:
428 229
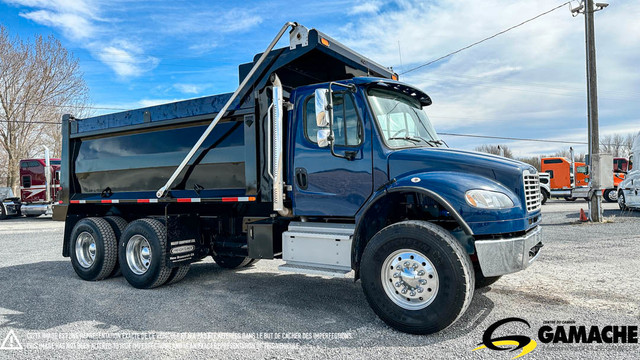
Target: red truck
39 185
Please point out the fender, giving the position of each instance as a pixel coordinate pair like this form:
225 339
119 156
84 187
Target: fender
446 188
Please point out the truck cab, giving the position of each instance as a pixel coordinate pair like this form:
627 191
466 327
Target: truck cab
39 185
322 159
628 190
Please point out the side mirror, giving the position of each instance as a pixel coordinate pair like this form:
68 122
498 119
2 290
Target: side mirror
582 169
323 137
322 113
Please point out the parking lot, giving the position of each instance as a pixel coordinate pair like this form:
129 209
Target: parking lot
587 273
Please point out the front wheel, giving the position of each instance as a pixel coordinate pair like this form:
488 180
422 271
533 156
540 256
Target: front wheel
545 196
611 195
417 277
481 280
3 214
622 203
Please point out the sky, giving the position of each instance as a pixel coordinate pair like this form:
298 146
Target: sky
528 83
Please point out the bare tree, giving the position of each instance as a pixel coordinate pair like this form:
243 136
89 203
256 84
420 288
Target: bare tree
38 81
613 144
501 150
628 143
531 160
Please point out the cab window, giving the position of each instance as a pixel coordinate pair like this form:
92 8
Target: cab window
347 127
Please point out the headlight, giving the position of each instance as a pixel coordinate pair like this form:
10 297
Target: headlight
485 199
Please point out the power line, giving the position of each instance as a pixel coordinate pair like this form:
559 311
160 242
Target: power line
31 122
515 139
485 39
68 106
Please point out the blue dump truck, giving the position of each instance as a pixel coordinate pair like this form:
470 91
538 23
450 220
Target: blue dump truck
320 158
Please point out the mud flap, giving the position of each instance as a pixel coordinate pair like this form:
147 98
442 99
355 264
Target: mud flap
185 243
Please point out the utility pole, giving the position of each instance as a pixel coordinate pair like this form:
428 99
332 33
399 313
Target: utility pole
595 196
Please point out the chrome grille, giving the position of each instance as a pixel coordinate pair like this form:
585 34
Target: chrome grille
532 191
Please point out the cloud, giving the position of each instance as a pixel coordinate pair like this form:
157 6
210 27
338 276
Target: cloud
73 26
189 88
153 102
124 61
366 7
529 82
184 20
101 28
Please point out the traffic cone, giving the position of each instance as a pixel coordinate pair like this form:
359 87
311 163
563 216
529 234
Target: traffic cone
583 216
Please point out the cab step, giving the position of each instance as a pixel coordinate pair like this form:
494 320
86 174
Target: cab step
314 269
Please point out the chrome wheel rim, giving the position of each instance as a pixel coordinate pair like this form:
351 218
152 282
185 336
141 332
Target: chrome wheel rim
613 196
138 254
409 279
85 249
621 200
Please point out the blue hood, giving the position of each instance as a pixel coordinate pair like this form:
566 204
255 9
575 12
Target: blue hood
502 170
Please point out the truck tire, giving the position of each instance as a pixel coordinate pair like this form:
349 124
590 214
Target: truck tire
545 196
417 277
622 202
610 195
177 274
118 225
252 262
3 213
570 198
93 249
142 254
231 262
481 280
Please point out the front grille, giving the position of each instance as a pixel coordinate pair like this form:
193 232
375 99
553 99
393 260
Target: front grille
532 191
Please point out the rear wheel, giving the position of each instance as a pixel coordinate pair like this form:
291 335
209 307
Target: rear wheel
252 262
142 254
118 225
93 249
611 195
417 277
177 274
232 262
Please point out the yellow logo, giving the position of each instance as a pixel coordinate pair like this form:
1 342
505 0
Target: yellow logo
510 342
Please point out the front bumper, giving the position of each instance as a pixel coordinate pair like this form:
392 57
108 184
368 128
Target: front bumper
10 208
505 256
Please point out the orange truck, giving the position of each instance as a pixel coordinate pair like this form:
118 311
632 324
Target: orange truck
563 176
566 182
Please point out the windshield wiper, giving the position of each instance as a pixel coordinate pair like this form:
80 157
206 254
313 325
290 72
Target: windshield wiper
414 140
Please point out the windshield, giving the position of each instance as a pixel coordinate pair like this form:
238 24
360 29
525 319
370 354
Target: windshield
401 120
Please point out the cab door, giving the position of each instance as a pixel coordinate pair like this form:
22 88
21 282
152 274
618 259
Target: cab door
323 184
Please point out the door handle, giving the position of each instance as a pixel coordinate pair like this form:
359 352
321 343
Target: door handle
301 178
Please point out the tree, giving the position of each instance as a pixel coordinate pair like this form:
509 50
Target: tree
496 150
39 81
613 144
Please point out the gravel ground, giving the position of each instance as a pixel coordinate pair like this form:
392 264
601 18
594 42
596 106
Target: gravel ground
587 274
